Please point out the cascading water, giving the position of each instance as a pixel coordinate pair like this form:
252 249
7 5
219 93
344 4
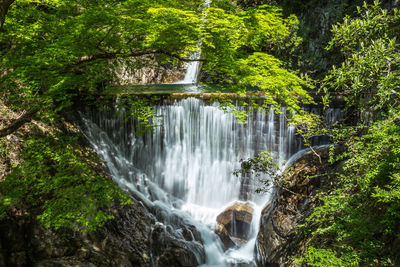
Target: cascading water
193 67
185 166
192 70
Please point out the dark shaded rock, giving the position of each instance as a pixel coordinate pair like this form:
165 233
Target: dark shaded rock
233 224
130 239
170 249
122 241
277 241
64 262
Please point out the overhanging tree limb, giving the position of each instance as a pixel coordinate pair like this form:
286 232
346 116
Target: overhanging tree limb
28 116
16 124
88 59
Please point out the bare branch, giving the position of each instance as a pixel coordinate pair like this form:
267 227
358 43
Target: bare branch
15 125
318 155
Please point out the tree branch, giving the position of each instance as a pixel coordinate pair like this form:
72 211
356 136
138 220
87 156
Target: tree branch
88 59
318 155
180 58
15 125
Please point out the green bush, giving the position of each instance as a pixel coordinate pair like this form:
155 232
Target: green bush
55 181
325 258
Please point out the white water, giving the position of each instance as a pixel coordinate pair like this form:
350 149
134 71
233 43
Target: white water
192 70
185 166
193 67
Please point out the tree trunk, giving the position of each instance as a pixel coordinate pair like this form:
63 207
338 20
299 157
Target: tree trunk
4 6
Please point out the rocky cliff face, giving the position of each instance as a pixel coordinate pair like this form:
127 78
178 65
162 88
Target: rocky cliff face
145 70
277 242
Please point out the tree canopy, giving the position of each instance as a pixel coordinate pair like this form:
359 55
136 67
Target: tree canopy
55 53
55 50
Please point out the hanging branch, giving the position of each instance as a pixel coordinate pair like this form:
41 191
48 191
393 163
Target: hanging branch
88 59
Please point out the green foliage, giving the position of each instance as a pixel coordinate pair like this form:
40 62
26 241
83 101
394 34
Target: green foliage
223 34
238 49
358 220
237 46
64 189
55 53
325 258
171 28
267 26
57 50
60 51
281 87
370 76
364 210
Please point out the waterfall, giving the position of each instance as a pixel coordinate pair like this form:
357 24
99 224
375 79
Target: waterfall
186 164
192 70
193 67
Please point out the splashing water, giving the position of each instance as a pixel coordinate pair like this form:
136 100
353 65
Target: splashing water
186 165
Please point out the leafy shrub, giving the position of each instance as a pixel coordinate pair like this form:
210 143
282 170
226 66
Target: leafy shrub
325 258
361 216
55 180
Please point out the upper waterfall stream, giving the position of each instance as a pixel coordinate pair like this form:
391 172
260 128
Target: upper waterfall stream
193 67
185 166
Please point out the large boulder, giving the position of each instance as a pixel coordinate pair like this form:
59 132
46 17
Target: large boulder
234 224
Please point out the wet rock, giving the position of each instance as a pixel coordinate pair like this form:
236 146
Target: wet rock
175 248
196 234
277 242
234 223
